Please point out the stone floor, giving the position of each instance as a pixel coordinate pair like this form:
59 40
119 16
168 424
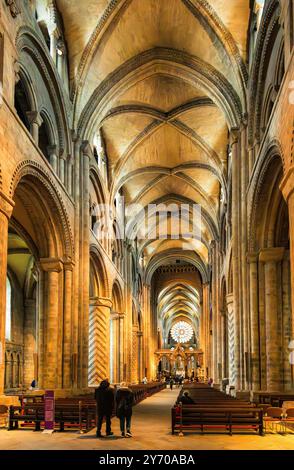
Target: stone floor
151 429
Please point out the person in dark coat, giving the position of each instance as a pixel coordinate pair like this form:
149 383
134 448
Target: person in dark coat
124 409
186 399
104 397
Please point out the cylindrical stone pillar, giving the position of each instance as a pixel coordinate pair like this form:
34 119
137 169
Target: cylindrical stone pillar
52 268
270 257
67 324
6 207
252 259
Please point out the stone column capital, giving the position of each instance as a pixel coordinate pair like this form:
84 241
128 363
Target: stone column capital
52 150
271 255
34 117
114 315
68 264
86 149
252 257
51 264
230 299
6 205
75 136
119 314
234 135
101 302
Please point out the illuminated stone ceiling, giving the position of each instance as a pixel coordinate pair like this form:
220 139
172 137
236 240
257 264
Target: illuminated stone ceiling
165 81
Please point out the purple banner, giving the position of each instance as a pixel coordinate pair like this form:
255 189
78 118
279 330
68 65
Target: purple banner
49 404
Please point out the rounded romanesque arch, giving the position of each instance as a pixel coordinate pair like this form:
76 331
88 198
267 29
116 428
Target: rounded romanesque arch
267 70
265 197
28 42
26 173
99 283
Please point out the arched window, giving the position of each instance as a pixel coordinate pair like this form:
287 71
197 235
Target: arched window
22 103
8 310
44 138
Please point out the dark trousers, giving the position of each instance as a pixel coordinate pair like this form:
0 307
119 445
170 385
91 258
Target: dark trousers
125 422
100 421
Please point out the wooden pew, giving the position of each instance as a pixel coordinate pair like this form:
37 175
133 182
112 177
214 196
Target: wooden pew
213 409
76 415
191 418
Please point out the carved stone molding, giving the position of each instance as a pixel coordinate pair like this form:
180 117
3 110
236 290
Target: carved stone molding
101 302
31 168
271 255
51 265
14 7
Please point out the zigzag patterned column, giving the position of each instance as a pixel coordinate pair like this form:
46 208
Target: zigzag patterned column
99 345
231 339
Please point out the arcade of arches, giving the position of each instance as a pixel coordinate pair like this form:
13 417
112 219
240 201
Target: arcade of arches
147 107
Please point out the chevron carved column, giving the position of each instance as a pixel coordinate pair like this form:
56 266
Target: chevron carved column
99 341
231 339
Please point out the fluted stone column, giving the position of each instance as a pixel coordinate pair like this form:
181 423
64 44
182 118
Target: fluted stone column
62 163
215 314
121 346
231 339
52 347
30 328
252 259
287 188
53 41
205 345
77 297
99 344
114 348
270 257
234 140
35 121
67 324
6 208
85 262
146 329
286 292
140 340
244 317
69 174
52 152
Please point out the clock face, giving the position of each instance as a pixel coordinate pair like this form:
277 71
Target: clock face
182 332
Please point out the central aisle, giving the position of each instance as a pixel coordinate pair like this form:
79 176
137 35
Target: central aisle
152 430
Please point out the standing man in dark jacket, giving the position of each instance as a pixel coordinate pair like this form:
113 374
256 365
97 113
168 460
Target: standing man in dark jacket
124 411
104 397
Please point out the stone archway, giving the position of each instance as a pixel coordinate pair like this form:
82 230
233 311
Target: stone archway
270 291
39 261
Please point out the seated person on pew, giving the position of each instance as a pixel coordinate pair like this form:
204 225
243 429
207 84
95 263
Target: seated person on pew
186 399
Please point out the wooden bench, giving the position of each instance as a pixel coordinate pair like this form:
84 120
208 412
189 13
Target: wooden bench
213 409
193 418
67 415
274 398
